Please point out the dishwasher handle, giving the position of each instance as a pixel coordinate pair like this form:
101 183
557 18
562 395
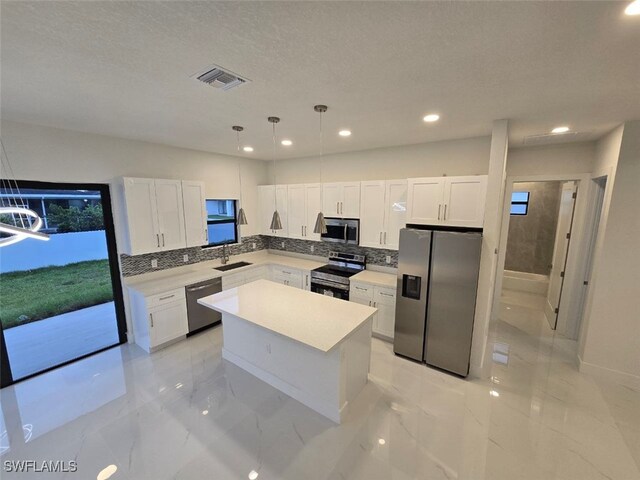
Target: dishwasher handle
202 287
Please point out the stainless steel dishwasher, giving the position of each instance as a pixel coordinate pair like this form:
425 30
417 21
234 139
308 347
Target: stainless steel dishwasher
200 317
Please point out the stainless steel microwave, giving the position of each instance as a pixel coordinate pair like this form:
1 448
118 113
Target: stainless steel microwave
342 230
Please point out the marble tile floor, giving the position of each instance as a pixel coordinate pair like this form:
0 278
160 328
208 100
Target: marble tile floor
184 413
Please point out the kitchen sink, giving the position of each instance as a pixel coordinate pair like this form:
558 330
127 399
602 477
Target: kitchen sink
231 266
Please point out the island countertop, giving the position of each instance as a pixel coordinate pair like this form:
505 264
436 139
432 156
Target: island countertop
310 318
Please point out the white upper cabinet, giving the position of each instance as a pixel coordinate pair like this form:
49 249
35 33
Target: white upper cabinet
303 205
341 199
170 214
313 204
156 218
273 197
451 201
142 215
195 213
382 212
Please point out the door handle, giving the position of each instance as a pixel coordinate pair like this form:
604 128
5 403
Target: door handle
158 239
444 217
151 317
439 208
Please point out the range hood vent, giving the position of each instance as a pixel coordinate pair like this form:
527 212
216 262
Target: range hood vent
555 138
218 77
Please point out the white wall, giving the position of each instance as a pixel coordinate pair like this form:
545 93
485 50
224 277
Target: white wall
453 157
610 340
55 155
552 159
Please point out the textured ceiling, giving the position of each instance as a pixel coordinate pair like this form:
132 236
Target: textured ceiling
123 69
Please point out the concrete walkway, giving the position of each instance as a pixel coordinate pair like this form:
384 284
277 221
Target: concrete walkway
46 343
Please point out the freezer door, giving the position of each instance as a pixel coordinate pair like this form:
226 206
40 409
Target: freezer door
411 296
455 263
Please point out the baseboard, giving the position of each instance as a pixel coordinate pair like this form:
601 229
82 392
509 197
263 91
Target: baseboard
624 378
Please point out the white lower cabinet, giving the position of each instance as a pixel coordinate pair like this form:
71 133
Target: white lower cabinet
290 276
234 280
159 319
382 298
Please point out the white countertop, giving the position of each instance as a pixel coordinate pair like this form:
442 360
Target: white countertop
376 278
316 320
153 283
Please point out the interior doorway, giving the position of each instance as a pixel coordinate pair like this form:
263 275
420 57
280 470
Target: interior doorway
60 300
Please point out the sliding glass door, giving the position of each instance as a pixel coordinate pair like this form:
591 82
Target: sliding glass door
60 299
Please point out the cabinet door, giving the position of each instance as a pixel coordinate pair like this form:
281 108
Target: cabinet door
168 322
372 209
464 201
306 278
195 213
425 200
296 210
350 206
267 200
313 202
384 322
331 198
170 214
142 215
360 300
282 207
395 212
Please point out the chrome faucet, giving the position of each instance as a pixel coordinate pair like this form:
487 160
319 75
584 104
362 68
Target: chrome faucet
225 254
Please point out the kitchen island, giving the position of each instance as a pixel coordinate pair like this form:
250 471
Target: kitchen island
315 349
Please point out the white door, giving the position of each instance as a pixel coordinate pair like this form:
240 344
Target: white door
464 199
395 212
331 198
142 215
350 206
195 213
281 205
168 322
266 198
425 200
296 210
170 214
372 209
313 201
563 233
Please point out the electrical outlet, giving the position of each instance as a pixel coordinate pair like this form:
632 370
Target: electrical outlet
253 245
388 258
312 248
185 258
154 263
282 244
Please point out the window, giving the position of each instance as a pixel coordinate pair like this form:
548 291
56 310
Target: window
221 222
519 203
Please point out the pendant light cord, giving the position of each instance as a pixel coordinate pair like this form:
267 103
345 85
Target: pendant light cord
273 125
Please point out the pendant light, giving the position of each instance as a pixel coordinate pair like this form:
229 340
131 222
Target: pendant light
242 218
321 224
276 224
17 221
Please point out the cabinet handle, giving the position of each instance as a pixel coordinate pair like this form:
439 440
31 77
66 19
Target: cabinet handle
158 239
439 207
306 281
385 294
360 288
163 239
337 207
380 242
374 305
341 208
385 238
301 230
444 217
206 236
369 302
169 296
151 317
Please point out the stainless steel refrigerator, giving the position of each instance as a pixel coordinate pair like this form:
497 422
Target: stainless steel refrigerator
436 297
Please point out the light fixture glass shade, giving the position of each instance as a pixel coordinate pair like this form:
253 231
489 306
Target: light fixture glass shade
276 224
242 218
321 225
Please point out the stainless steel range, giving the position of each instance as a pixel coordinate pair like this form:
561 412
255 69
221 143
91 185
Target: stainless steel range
333 279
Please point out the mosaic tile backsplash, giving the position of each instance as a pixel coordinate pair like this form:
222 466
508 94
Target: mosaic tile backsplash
138 264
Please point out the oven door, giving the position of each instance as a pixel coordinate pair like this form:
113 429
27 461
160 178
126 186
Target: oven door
330 289
341 231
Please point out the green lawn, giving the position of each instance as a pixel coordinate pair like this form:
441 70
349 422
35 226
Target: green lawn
42 293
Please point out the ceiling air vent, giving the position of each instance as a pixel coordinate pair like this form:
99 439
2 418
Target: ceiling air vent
555 138
218 77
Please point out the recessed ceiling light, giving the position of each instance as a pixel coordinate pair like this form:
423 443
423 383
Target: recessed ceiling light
107 472
247 148
253 475
432 117
633 8
205 412
344 133
493 393
381 441
560 130
286 143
